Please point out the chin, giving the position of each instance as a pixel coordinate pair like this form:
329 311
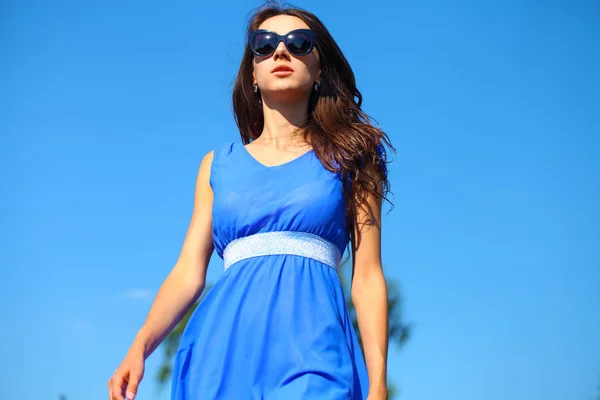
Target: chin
287 95
290 86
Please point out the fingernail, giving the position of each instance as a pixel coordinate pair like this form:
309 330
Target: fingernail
130 395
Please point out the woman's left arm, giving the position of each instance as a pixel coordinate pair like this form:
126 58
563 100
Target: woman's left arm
369 295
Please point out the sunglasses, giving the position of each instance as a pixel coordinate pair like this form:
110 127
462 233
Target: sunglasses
299 42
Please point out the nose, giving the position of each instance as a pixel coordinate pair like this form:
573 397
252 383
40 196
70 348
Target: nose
281 51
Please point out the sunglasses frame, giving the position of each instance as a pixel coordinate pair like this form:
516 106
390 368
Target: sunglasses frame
282 38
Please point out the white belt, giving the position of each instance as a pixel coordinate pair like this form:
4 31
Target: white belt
280 243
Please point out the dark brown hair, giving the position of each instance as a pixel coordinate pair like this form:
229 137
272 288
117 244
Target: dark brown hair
340 133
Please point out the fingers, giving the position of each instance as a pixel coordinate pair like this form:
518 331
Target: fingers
116 386
120 382
132 388
135 376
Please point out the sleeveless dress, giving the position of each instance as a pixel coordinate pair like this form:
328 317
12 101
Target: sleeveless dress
274 326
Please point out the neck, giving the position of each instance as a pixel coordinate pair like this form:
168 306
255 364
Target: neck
282 120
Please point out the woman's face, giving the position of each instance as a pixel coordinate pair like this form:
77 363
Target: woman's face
306 69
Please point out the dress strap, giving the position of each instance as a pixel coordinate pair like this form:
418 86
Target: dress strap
221 156
283 242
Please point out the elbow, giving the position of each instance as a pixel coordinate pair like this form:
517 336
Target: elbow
368 281
191 278
195 281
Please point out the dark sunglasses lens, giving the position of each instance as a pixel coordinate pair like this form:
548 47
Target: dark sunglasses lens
299 43
264 43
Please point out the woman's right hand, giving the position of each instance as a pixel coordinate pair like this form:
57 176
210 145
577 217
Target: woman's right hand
181 288
125 380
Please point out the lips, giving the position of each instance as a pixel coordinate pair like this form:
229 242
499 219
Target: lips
282 68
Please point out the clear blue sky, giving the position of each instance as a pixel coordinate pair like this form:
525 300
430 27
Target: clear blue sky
106 108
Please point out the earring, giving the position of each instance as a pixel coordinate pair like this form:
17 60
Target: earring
316 87
255 87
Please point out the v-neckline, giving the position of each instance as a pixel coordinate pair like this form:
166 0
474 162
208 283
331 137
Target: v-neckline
255 160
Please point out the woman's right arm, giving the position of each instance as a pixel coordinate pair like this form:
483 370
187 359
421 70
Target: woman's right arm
178 292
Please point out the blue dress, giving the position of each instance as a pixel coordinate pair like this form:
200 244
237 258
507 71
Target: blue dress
275 326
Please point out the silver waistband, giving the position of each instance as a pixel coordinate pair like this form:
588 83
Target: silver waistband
279 243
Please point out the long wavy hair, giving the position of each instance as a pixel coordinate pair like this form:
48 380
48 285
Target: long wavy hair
341 134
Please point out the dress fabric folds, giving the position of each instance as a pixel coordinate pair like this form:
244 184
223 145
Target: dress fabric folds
275 325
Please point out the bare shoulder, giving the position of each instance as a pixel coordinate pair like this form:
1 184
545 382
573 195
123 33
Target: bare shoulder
207 160
204 169
209 156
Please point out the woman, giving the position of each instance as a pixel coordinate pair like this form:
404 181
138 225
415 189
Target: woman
280 210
